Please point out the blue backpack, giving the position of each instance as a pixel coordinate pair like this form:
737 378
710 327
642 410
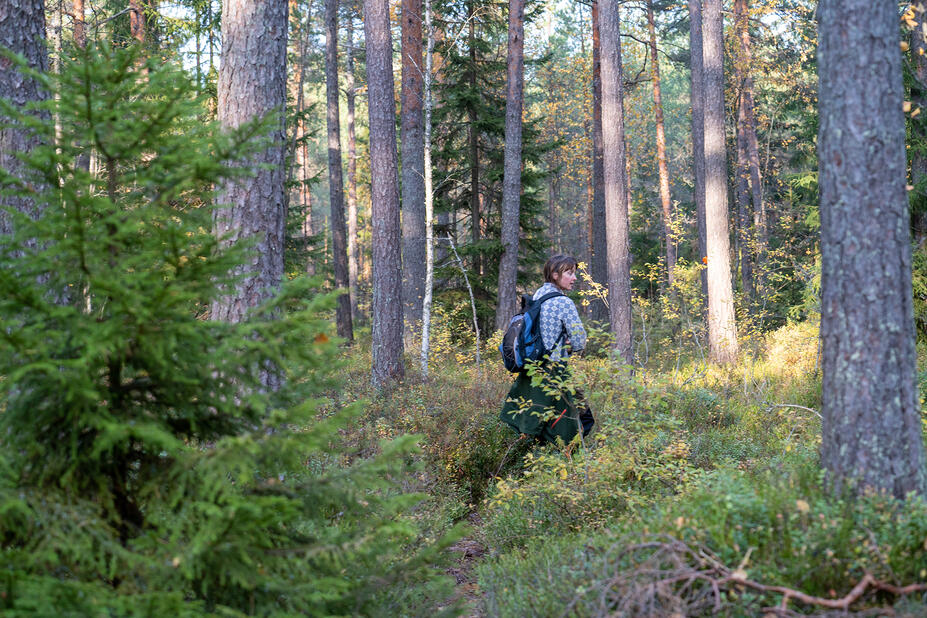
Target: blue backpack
522 341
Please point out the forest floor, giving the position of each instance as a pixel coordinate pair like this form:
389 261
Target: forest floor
687 460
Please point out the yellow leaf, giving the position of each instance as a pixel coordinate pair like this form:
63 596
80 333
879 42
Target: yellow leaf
563 473
904 45
802 506
906 106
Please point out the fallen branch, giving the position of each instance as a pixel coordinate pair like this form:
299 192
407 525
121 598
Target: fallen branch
771 406
664 575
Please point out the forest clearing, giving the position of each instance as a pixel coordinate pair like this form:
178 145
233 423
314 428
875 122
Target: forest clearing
463 307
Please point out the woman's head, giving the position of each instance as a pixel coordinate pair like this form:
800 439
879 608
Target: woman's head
561 271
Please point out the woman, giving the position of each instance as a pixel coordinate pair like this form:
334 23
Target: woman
540 402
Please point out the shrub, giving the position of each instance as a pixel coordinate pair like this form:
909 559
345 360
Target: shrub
144 468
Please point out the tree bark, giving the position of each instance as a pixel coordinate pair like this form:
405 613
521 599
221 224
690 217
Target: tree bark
754 232
335 177
80 33
353 259
511 182
871 430
761 233
413 169
615 176
742 194
662 167
722 329
429 194
697 100
252 84
138 21
473 137
599 250
22 30
384 195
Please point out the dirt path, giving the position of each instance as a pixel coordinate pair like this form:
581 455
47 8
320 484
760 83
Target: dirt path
469 550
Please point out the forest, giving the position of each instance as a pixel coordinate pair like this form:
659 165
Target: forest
307 308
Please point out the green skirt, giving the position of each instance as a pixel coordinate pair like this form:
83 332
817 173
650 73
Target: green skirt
545 410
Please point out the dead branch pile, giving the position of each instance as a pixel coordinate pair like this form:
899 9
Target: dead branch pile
663 576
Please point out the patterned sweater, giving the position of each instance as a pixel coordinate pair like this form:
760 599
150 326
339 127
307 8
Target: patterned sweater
560 315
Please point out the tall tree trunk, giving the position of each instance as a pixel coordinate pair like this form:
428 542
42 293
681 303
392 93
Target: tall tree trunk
751 144
252 84
663 168
384 197
511 181
742 193
722 329
749 165
138 21
616 193
599 250
80 33
413 169
335 178
473 140
429 193
353 259
22 30
871 430
697 99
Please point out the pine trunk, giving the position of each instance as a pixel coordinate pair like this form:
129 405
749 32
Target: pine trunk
511 182
752 143
746 125
335 174
353 259
22 30
722 329
662 167
871 430
384 197
599 250
742 195
252 84
413 169
138 21
80 33
697 99
615 177
473 140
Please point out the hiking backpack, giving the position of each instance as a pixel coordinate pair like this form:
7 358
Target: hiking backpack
522 341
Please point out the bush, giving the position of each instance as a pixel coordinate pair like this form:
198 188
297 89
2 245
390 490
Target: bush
773 523
144 467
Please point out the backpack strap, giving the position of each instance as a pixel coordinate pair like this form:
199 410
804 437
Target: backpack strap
548 296
540 301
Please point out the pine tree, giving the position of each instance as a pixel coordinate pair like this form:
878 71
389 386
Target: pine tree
871 434
143 469
469 145
22 31
252 84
